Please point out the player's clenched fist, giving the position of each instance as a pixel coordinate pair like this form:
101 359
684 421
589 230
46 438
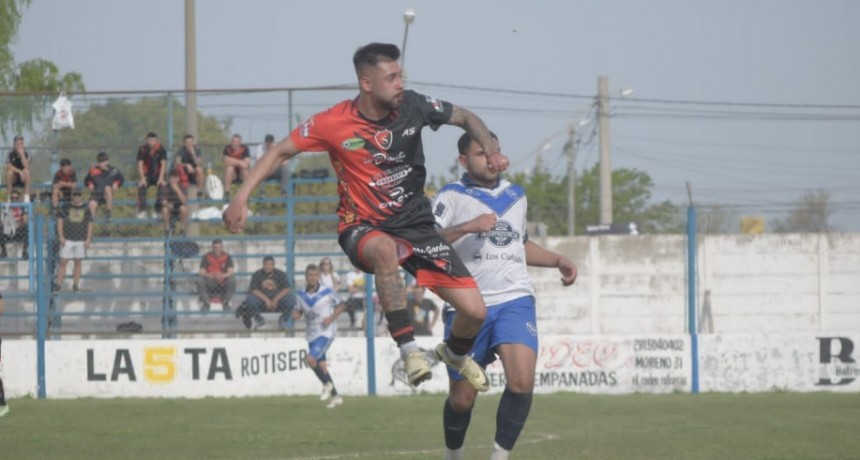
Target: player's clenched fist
234 216
483 223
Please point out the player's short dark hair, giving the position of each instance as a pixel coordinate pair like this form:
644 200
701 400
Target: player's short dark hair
270 138
151 135
312 268
466 140
217 241
65 162
18 138
102 156
268 259
374 53
188 136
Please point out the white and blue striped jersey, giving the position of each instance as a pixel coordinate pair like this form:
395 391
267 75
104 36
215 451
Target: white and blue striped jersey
316 306
496 259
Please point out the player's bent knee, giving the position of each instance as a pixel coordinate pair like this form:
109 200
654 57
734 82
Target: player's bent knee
461 402
311 361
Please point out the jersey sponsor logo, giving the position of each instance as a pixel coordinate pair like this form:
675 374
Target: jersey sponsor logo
435 103
383 138
379 158
440 210
501 235
353 143
391 177
398 195
408 132
306 127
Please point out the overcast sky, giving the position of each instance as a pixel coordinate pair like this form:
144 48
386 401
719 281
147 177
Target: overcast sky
757 158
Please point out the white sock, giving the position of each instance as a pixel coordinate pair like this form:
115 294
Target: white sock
408 347
456 454
499 453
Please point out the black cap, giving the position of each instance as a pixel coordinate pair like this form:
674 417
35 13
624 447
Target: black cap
217 241
270 138
151 134
268 259
102 156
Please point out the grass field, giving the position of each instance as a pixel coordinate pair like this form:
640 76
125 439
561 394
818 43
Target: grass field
562 426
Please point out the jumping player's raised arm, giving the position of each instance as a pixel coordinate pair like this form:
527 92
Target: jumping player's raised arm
234 216
476 128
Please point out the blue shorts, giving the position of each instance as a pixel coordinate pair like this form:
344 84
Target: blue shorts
318 346
510 322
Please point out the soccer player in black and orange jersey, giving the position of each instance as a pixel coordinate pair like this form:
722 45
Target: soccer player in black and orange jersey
374 144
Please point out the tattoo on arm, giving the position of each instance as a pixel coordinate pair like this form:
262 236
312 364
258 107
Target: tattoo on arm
392 292
473 125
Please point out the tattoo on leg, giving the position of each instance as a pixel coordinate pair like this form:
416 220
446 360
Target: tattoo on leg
392 292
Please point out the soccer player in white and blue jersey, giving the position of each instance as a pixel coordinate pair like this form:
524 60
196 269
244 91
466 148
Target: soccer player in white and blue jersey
484 218
320 307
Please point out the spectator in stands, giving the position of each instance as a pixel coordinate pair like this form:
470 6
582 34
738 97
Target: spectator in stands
355 293
15 226
420 309
151 170
4 408
103 180
18 168
217 277
237 163
75 229
172 203
190 159
321 307
328 276
267 144
269 292
65 180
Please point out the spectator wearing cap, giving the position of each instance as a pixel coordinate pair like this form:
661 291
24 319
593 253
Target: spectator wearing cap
103 180
65 180
151 169
75 229
18 168
216 277
269 292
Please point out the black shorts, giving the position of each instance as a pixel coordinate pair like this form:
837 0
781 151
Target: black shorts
175 207
98 197
17 181
421 251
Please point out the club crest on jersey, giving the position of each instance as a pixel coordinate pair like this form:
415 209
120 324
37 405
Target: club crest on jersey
501 235
383 139
353 143
437 106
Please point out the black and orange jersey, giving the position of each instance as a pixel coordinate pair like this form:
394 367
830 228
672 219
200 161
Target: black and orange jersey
379 164
60 176
239 154
151 158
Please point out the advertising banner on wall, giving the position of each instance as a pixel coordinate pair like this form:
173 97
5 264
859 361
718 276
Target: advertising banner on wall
755 363
196 368
18 368
583 364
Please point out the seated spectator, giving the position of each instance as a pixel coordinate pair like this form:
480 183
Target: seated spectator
237 163
355 287
75 229
216 277
420 310
190 159
18 168
103 180
15 226
151 166
269 292
172 200
65 180
328 277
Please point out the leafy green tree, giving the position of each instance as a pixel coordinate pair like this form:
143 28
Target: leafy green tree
19 113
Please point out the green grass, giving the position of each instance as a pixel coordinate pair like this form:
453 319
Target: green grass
562 426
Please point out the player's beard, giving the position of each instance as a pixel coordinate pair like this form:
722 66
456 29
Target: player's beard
392 104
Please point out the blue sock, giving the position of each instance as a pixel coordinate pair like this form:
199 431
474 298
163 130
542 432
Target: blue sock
511 417
318 371
455 425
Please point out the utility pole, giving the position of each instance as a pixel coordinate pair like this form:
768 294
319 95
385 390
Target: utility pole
190 70
605 163
570 150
